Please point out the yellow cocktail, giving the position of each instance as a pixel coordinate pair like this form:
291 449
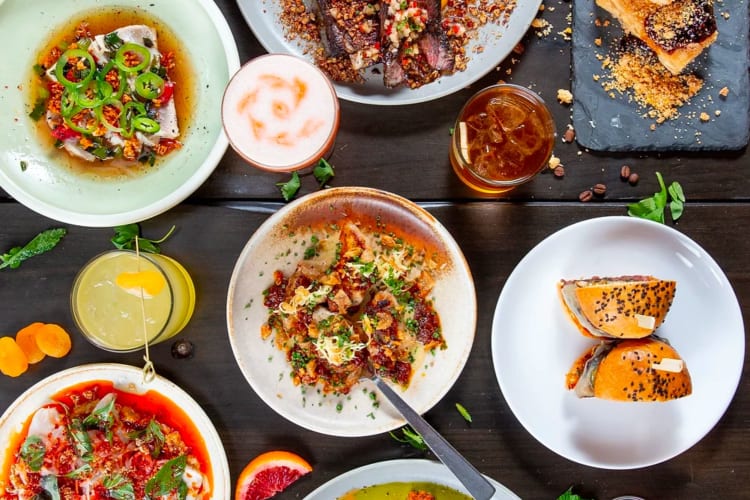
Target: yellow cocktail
120 300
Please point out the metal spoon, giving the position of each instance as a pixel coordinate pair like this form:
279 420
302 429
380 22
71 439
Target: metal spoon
470 477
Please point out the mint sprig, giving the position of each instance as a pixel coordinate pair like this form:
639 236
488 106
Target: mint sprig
652 208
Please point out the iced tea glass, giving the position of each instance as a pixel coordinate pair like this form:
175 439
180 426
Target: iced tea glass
503 137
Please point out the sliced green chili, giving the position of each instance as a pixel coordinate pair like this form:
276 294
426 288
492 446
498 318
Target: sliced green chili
146 124
90 121
149 85
60 68
115 103
142 52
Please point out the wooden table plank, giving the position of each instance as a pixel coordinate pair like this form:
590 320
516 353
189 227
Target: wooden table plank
404 149
494 237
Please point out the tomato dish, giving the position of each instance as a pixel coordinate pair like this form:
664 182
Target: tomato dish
357 302
93 441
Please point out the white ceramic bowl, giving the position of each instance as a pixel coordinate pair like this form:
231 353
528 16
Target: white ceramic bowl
52 190
279 244
124 378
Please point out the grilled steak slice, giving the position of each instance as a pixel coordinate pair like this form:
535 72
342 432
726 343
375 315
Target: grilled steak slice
351 27
415 48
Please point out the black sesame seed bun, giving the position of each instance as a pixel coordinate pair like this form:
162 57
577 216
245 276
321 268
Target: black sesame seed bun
631 370
626 307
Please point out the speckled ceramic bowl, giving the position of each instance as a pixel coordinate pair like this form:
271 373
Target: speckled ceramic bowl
36 175
279 244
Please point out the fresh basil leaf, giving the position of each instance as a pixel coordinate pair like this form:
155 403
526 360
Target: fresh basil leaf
42 242
289 189
49 484
168 478
675 191
81 439
323 172
569 495
661 196
119 487
102 417
151 434
32 452
79 472
676 208
464 412
125 239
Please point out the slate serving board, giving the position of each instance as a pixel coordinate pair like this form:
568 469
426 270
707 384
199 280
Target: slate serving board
603 123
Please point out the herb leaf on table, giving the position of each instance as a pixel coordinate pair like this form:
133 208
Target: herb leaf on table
289 188
652 208
410 437
323 172
42 242
126 236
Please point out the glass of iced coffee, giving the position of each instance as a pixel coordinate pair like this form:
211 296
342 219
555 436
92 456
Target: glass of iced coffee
503 137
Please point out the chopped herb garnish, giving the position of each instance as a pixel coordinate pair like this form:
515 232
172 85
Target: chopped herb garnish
464 412
118 487
569 495
40 108
24 166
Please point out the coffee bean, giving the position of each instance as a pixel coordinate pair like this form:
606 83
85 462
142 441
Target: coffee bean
599 189
585 196
633 179
559 171
182 349
624 172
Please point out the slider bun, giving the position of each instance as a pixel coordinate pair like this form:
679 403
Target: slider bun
627 373
631 370
622 307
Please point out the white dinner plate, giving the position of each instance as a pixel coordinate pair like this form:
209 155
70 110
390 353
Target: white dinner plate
534 343
41 177
498 41
278 244
406 470
127 379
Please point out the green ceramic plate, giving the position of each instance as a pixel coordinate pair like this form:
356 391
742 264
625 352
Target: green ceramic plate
45 184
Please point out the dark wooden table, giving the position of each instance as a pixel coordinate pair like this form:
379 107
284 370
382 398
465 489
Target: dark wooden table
404 150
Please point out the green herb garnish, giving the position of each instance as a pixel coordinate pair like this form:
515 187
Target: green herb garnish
81 439
168 478
289 189
652 208
323 172
151 434
102 416
464 412
569 495
49 485
118 487
24 166
42 242
410 437
32 452
125 238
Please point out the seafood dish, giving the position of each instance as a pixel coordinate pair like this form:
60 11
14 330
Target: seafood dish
109 96
95 441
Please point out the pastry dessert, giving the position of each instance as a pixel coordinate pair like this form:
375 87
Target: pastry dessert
676 30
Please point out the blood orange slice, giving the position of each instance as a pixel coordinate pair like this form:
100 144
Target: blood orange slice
268 474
